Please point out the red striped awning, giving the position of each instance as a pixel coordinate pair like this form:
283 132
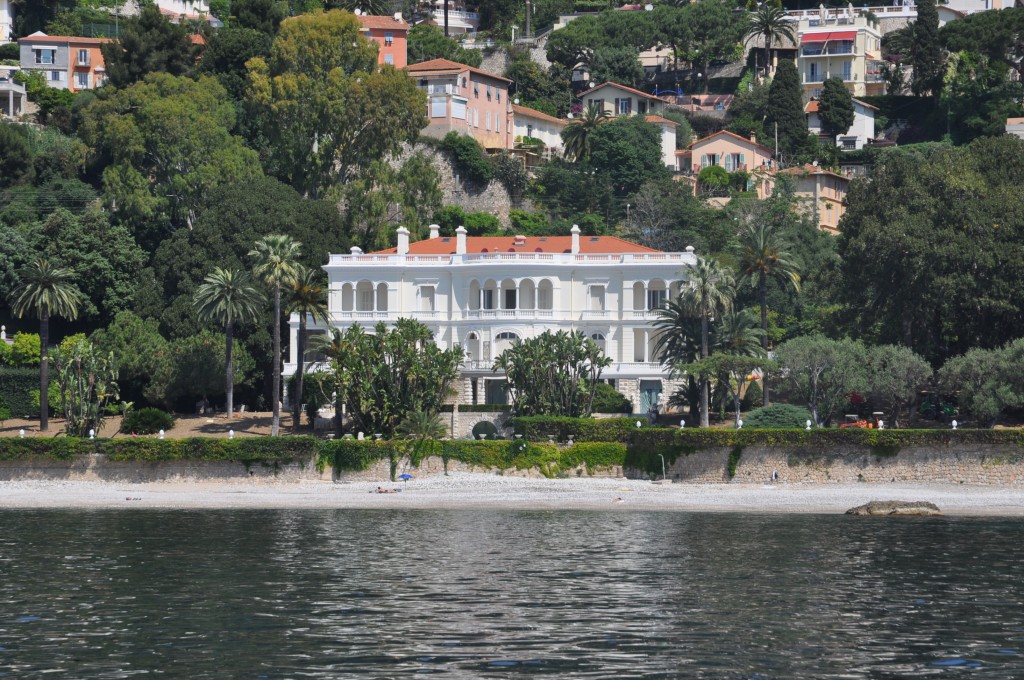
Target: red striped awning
828 36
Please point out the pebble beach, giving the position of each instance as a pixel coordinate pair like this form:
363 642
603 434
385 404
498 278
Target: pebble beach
473 490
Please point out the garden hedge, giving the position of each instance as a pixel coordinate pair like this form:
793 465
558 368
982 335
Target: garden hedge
247 450
17 386
539 428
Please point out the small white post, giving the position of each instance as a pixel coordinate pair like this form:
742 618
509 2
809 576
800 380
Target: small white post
638 424
359 436
808 425
231 434
954 424
92 434
881 424
21 433
739 424
682 424
161 434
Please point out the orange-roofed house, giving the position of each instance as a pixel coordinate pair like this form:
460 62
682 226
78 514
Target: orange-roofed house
731 152
67 62
391 35
484 293
618 100
823 192
466 100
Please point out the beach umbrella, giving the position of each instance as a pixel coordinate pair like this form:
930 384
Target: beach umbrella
405 476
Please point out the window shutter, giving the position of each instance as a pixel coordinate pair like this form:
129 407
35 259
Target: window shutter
703 160
743 160
728 162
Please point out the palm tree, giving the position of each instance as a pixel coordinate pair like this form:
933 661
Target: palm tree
763 253
307 298
422 426
275 260
228 296
371 7
771 23
738 334
577 134
708 291
677 344
45 291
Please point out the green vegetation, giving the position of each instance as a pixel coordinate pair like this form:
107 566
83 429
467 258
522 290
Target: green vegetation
146 421
777 416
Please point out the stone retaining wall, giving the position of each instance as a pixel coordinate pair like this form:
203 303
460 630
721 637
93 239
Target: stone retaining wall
978 465
434 465
97 467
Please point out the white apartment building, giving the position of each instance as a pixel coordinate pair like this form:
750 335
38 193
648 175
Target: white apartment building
861 131
484 293
6 22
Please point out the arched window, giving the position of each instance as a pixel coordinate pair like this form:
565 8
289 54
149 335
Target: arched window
509 294
382 297
474 294
639 296
347 298
504 340
527 294
364 296
657 294
598 339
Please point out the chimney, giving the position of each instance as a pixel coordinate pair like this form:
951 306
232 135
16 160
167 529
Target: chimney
356 250
575 231
435 230
403 241
519 241
460 240
753 137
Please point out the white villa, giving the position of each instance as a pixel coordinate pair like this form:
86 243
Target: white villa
483 293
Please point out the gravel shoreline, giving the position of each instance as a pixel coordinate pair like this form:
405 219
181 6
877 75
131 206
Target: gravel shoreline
467 490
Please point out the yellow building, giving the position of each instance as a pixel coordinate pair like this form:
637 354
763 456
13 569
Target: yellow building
844 46
822 191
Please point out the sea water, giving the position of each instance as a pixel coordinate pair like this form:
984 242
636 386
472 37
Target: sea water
499 593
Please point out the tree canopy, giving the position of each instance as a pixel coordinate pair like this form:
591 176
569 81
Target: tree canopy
148 43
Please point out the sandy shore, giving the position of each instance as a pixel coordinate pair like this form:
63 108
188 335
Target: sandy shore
491 491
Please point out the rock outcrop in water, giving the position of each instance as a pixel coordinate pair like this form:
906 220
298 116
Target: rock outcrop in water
920 508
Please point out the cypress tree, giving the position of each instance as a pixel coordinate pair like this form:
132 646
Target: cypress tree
925 53
786 109
835 108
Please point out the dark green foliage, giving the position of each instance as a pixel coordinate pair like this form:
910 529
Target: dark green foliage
607 399
734 459
617 65
428 42
777 416
16 388
146 421
943 226
485 429
451 217
547 91
926 51
511 172
264 450
227 52
259 15
999 36
148 43
10 51
628 152
835 108
785 108
714 179
470 160
539 428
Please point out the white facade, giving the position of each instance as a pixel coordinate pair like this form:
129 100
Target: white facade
860 133
533 124
184 6
668 140
1015 126
483 293
6 22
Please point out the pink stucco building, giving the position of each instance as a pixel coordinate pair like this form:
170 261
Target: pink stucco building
391 35
466 100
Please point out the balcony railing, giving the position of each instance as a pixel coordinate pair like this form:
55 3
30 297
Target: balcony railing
829 51
362 316
513 258
508 314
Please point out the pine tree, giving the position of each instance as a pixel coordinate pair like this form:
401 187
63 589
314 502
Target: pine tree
835 108
786 109
925 52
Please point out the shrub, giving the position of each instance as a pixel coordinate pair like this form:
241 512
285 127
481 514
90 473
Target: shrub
5 413
607 399
469 158
146 421
777 416
17 386
539 428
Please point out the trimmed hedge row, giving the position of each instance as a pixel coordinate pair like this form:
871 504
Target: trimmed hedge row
552 461
266 450
539 428
16 388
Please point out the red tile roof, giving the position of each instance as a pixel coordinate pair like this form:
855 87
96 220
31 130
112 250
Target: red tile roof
62 38
812 106
660 121
589 245
534 113
624 88
732 134
387 22
447 66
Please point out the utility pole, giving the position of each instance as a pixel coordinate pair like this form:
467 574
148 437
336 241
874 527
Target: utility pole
528 33
777 142
446 18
